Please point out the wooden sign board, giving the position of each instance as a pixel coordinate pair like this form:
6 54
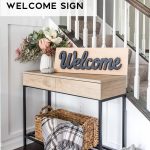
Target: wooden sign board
110 61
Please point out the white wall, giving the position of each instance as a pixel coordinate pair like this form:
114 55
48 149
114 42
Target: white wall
12 31
138 128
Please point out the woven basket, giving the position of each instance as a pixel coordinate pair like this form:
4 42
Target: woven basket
89 124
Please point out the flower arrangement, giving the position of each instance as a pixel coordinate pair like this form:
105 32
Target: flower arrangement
41 42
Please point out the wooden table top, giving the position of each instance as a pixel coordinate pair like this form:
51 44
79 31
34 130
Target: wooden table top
97 87
82 77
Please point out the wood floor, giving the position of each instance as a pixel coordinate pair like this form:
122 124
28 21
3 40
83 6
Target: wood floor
33 146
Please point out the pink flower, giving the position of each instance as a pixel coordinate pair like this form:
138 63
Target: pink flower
69 44
44 44
18 53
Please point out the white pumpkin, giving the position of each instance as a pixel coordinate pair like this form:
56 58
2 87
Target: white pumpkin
46 65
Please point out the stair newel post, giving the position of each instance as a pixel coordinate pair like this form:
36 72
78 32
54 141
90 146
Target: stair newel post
143 33
69 19
94 39
148 89
85 30
137 77
104 24
125 25
114 25
77 24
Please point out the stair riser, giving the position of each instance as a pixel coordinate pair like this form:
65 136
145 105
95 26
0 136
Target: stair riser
143 74
99 41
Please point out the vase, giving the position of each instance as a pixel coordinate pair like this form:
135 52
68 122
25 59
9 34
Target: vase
47 64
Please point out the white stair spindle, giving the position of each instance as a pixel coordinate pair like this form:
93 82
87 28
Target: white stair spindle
135 29
69 19
128 21
94 38
85 30
148 89
77 24
104 24
121 18
143 34
69 23
137 77
114 25
119 15
125 25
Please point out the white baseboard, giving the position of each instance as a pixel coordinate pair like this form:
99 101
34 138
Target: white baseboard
12 143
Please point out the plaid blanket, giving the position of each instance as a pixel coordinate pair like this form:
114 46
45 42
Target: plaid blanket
61 135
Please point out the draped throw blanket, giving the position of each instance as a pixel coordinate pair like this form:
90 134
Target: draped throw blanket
61 135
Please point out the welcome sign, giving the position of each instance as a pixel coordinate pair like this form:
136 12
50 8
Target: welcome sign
111 61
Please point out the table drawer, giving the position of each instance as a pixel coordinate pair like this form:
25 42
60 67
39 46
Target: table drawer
80 88
42 82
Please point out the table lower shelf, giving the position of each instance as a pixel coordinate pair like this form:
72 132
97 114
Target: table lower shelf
31 136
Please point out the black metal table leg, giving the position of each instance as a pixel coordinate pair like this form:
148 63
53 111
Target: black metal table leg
124 121
100 124
24 117
49 98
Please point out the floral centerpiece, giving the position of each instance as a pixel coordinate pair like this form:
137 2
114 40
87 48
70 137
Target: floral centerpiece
42 44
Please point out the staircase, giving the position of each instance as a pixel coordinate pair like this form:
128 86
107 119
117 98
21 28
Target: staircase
143 66
131 71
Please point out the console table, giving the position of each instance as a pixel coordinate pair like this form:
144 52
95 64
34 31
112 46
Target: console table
97 87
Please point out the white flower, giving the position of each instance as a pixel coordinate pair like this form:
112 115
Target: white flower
57 40
50 33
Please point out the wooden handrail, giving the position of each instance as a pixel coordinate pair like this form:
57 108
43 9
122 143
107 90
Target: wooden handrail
141 7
